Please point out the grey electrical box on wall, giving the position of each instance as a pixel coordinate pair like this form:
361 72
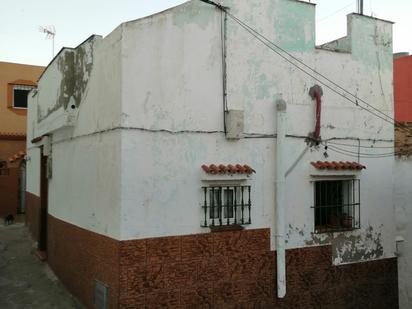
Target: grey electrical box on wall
234 124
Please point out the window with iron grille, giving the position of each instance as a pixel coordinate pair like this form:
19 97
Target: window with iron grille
336 205
226 205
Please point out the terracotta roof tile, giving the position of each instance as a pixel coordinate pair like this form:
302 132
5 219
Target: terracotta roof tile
17 156
322 165
227 169
12 136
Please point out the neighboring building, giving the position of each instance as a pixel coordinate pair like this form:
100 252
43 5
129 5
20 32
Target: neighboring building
16 80
144 139
403 174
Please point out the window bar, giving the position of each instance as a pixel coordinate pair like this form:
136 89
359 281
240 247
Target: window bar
243 204
212 206
352 213
323 221
235 203
205 205
249 205
227 205
353 216
314 202
320 210
340 188
220 206
338 210
358 181
353 203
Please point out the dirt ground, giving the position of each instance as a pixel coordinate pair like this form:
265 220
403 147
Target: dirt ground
25 281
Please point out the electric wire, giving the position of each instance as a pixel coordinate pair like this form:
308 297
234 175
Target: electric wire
264 40
363 146
359 156
361 153
270 45
334 13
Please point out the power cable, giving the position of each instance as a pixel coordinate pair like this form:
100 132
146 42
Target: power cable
361 153
334 13
362 146
356 155
264 40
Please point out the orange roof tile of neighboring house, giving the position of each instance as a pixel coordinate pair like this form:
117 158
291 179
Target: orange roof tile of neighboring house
228 169
322 165
12 136
18 156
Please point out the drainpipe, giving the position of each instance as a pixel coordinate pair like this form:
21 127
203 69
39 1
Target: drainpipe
318 113
281 124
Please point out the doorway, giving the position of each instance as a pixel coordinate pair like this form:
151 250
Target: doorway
44 188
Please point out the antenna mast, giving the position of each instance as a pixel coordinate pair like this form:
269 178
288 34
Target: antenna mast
50 32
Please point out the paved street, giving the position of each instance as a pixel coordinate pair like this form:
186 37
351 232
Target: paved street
25 281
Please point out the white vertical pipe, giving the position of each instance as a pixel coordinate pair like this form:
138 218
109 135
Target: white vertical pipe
281 125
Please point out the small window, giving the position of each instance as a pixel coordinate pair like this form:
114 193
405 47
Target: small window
20 95
337 205
226 205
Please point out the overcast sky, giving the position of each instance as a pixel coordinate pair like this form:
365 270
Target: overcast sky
75 20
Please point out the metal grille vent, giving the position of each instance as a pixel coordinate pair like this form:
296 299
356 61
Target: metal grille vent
100 295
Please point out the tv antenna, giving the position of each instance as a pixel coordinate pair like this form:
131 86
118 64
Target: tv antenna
50 32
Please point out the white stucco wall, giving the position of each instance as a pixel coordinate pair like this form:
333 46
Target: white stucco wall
403 207
33 171
171 70
165 198
85 186
152 113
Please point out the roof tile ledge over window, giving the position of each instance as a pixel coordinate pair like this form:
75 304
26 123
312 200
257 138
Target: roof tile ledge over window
226 172
326 168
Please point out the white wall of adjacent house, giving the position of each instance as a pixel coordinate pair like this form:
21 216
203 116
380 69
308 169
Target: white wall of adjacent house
403 209
159 80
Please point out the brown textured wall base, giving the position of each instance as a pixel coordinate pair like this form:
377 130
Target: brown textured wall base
217 270
79 257
238 270
33 204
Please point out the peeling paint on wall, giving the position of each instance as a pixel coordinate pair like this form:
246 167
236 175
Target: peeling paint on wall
357 247
75 67
347 247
